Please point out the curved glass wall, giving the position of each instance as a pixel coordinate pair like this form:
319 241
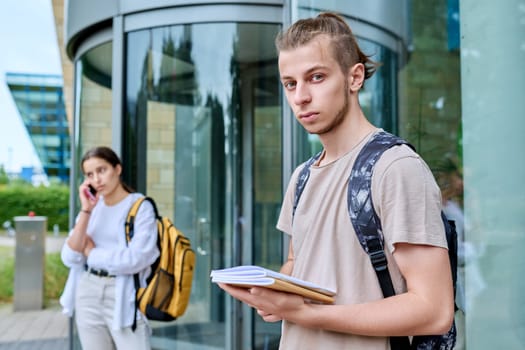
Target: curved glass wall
94 98
93 119
94 101
378 98
202 135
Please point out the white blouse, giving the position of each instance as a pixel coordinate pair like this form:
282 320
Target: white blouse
111 253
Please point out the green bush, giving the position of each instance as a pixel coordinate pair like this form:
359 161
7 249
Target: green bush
4 179
52 201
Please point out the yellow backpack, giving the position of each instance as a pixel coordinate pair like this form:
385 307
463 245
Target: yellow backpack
168 289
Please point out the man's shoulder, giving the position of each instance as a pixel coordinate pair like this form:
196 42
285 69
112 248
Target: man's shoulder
402 162
398 154
399 151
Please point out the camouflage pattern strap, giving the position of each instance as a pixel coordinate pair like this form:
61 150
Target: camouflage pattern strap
365 221
360 206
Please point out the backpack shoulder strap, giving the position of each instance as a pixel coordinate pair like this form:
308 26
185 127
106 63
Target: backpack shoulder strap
364 219
130 230
132 213
362 214
302 179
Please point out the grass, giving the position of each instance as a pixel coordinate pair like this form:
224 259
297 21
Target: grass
55 275
7 268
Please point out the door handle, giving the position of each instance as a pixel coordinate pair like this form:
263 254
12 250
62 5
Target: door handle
202 235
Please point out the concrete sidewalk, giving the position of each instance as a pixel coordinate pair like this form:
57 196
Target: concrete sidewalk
46 329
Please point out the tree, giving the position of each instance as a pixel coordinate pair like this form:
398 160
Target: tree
4 179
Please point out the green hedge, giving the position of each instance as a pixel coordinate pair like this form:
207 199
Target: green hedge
52 201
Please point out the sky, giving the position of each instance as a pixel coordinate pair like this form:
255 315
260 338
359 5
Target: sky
28 44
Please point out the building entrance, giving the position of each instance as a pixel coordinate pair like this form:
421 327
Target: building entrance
203 121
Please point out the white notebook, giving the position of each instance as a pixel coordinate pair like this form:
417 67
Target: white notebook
249 275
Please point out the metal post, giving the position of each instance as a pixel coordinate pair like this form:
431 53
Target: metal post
29 262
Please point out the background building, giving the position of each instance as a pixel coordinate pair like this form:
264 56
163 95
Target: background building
188 93
40 103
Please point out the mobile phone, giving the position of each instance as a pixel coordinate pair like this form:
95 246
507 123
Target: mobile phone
91 193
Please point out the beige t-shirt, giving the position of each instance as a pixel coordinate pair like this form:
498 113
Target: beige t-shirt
325 247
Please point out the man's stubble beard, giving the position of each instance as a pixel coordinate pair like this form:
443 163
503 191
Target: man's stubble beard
340 116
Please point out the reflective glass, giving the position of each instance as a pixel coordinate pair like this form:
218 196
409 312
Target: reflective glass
492 90
203 128
430 115
93 105
39 99
94 98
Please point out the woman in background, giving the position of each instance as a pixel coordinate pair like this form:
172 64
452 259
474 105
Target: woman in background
100 287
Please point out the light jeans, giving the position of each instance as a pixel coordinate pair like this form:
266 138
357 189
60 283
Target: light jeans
94 302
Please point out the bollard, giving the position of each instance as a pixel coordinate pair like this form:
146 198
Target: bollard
28 293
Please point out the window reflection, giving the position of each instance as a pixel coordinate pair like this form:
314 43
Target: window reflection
378 98
95 99
203 119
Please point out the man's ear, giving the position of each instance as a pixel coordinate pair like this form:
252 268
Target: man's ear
356 77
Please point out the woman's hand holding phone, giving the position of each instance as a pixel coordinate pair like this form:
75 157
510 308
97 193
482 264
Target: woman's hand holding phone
91 193
88 195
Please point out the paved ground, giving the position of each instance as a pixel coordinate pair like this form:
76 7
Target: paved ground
45 329
33 330
53 243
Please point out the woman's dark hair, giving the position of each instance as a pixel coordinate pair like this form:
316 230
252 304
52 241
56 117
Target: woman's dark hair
109 156
344 45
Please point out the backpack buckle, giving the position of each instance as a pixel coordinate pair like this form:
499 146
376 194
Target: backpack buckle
377 254
378 260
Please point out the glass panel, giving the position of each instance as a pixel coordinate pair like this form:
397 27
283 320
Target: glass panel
164 98
94 104
93 111
267 184
39 100
430 105
492 87
430 113
94 101
190 92
378 97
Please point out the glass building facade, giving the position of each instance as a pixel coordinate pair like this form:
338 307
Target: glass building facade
39 100
188 94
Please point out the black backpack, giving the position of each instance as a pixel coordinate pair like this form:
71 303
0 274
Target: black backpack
367 226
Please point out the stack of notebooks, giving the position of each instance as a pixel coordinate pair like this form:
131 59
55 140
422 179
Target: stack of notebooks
249 276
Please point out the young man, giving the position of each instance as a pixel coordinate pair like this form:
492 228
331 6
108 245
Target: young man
322 70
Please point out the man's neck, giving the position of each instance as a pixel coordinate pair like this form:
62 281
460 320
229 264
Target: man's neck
345 137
